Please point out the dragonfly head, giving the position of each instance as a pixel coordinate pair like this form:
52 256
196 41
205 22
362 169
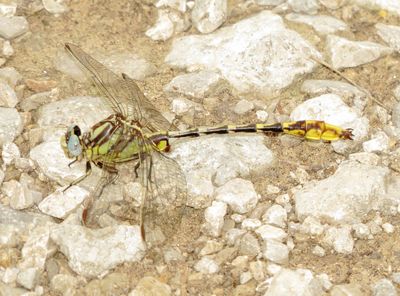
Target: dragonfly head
71 142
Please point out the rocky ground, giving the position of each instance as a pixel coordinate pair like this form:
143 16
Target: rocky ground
264 215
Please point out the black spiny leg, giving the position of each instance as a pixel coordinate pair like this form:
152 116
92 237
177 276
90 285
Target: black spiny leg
137 165
87 173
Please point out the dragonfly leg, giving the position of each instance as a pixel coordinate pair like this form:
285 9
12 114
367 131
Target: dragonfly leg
72 162
87 173
137 165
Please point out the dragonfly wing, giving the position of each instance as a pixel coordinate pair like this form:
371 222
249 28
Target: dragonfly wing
152 118
121 96
165 194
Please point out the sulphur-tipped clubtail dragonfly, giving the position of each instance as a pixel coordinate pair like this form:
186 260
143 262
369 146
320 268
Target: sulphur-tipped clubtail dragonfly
137 132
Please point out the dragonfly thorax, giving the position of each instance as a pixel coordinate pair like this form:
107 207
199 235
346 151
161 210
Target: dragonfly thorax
71 142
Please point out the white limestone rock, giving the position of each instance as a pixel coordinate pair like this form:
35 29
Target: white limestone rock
8 97
294 282
243 106
28 278
379 143
384 287
206 265
340 239
181 106
20 196
233 235
8 9
340 88
269 232
318 251
311 226
38 247
92 253
214 216
196 85
390 34
55 7
52 162
262 115
345 198
179 5
163 28
365 158
218 159
269 2
323 24
208 15
392 6
211 247
239 194
13 26
275 215
71 111
305 6
361 231
10 75
251 224
60 204
347 53
237 51
276 252
10 153
11 124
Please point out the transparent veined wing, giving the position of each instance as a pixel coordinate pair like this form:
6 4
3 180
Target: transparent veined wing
122 93
165 193
152 118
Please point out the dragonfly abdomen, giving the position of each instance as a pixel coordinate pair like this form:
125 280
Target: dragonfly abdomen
309 129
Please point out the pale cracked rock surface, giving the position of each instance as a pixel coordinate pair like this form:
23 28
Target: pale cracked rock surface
232 156
52 162
70 111
8 97
239 194
196 85
294 282
340 239
214 217
240 50
60 204
208 15
345 199
13 26
169 22
392 6
347 53
323 24
10 124
88 251
55 7
206 265
390 34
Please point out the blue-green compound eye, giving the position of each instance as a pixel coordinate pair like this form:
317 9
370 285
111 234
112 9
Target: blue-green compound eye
74 146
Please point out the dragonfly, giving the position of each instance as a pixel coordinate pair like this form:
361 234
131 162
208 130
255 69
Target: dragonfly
137 132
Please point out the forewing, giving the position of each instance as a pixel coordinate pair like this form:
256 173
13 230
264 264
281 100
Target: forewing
122 97
151 117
